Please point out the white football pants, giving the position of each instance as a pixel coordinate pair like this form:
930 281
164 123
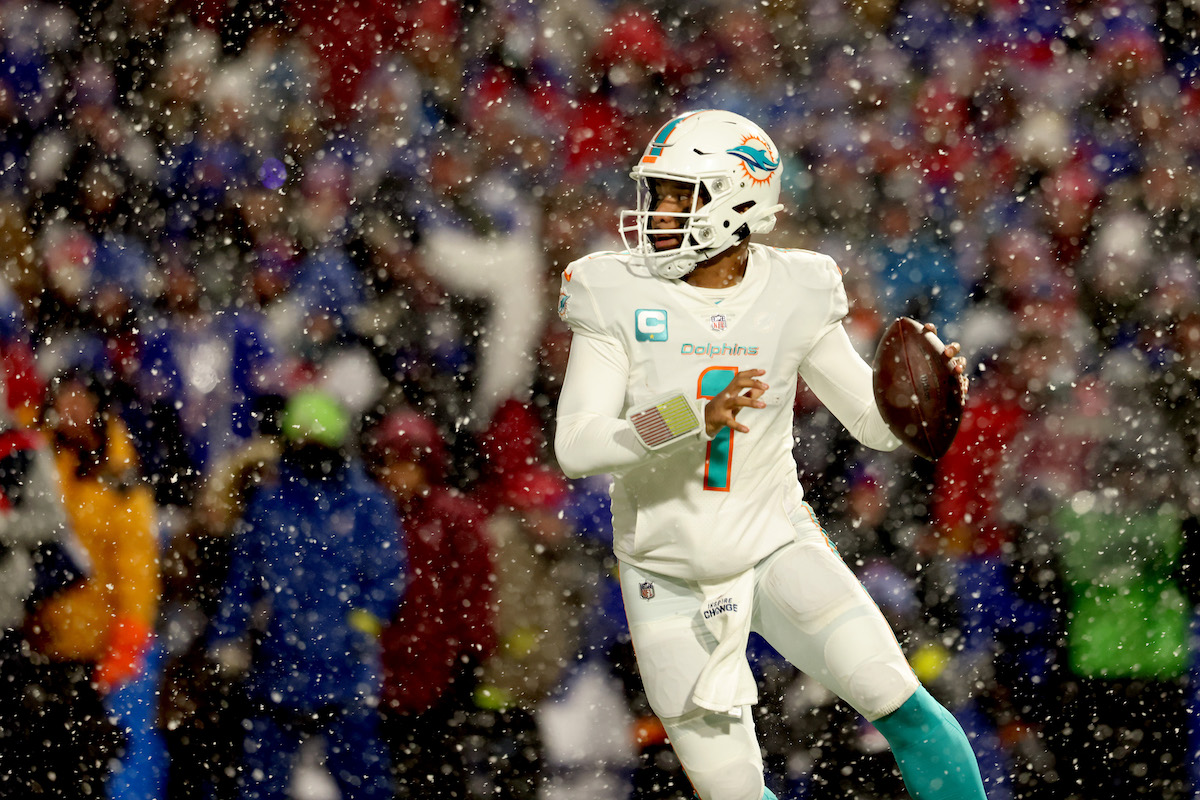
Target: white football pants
809 606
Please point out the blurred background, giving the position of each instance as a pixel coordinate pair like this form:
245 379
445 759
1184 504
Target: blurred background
209 207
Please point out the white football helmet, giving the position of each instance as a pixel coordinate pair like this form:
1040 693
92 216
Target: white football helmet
734 170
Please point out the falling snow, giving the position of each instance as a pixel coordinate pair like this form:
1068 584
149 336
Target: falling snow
211 209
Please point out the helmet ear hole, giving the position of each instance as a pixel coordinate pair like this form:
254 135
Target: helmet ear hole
742 208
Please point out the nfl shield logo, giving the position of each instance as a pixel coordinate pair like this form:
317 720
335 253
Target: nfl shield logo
718 322
647 590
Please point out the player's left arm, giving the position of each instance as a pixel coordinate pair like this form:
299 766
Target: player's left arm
841 380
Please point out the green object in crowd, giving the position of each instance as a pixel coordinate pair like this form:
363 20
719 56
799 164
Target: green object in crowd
1128 616
314 416
493 698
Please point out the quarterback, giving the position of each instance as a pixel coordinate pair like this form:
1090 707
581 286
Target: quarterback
681 381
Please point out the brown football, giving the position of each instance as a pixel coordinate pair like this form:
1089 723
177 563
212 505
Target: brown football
915 388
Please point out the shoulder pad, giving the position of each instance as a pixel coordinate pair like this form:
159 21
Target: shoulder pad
811 268
597 268
581 280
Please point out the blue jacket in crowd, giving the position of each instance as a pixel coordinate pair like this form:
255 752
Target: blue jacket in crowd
311 552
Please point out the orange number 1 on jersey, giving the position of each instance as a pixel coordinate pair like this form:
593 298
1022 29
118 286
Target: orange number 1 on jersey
720 450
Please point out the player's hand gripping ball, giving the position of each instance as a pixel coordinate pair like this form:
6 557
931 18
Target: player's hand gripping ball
919 387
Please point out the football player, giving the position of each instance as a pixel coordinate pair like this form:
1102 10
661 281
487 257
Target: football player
680 383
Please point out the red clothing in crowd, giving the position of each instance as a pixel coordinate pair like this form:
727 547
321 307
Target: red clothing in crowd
446 615
966 496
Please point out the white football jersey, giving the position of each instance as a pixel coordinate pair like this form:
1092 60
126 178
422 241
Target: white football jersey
701 509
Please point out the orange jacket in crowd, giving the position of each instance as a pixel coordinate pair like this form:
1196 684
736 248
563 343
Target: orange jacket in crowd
107 619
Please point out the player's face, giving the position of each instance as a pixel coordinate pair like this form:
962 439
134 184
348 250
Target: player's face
670 199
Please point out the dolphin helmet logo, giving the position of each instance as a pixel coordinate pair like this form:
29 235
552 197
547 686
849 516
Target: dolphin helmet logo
758 162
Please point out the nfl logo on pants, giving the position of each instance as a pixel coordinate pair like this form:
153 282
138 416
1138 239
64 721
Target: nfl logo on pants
647 590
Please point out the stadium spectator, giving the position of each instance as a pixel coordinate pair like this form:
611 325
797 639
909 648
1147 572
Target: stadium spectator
39 557
1119 540
321 551
203 711
538 604
444 629
100 634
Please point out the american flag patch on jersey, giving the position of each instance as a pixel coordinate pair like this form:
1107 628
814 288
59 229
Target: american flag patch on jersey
664 421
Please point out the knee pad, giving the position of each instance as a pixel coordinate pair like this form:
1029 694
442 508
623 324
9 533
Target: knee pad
866 662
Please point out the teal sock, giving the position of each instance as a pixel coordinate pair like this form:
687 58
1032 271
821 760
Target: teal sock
932 750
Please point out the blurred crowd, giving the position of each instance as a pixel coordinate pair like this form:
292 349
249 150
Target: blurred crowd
277 282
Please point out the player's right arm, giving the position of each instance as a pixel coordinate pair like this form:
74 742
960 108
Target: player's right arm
591 437
595 434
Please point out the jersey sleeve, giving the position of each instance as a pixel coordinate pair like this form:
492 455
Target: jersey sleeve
837 374
828 276
815 285
591 438
841 379
577 304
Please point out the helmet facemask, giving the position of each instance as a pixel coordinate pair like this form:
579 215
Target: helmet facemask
695 227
